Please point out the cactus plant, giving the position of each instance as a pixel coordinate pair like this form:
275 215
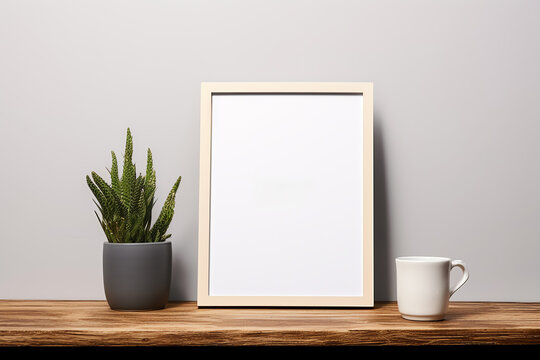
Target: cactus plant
126 203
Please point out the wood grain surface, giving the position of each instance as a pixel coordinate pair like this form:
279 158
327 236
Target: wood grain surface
92 323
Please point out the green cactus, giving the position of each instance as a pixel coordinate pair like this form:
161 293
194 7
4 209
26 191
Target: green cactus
126 204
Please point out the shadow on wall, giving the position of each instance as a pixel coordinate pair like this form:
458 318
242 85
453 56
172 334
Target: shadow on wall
383 263
181 272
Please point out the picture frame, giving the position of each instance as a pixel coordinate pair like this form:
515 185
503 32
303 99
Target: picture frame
286 195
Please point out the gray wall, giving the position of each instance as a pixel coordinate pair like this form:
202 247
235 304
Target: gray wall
457 119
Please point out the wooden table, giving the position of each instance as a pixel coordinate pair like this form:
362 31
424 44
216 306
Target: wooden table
92 323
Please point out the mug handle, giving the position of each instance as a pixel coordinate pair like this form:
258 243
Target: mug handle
460 264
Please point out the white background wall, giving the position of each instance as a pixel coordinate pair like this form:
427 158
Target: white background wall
457 121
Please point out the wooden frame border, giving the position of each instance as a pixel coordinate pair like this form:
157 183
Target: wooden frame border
209 88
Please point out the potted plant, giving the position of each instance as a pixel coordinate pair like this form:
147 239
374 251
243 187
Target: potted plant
136 257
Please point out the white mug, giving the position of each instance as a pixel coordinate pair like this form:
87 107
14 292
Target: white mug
423 286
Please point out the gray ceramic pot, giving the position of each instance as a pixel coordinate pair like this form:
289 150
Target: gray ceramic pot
137 276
